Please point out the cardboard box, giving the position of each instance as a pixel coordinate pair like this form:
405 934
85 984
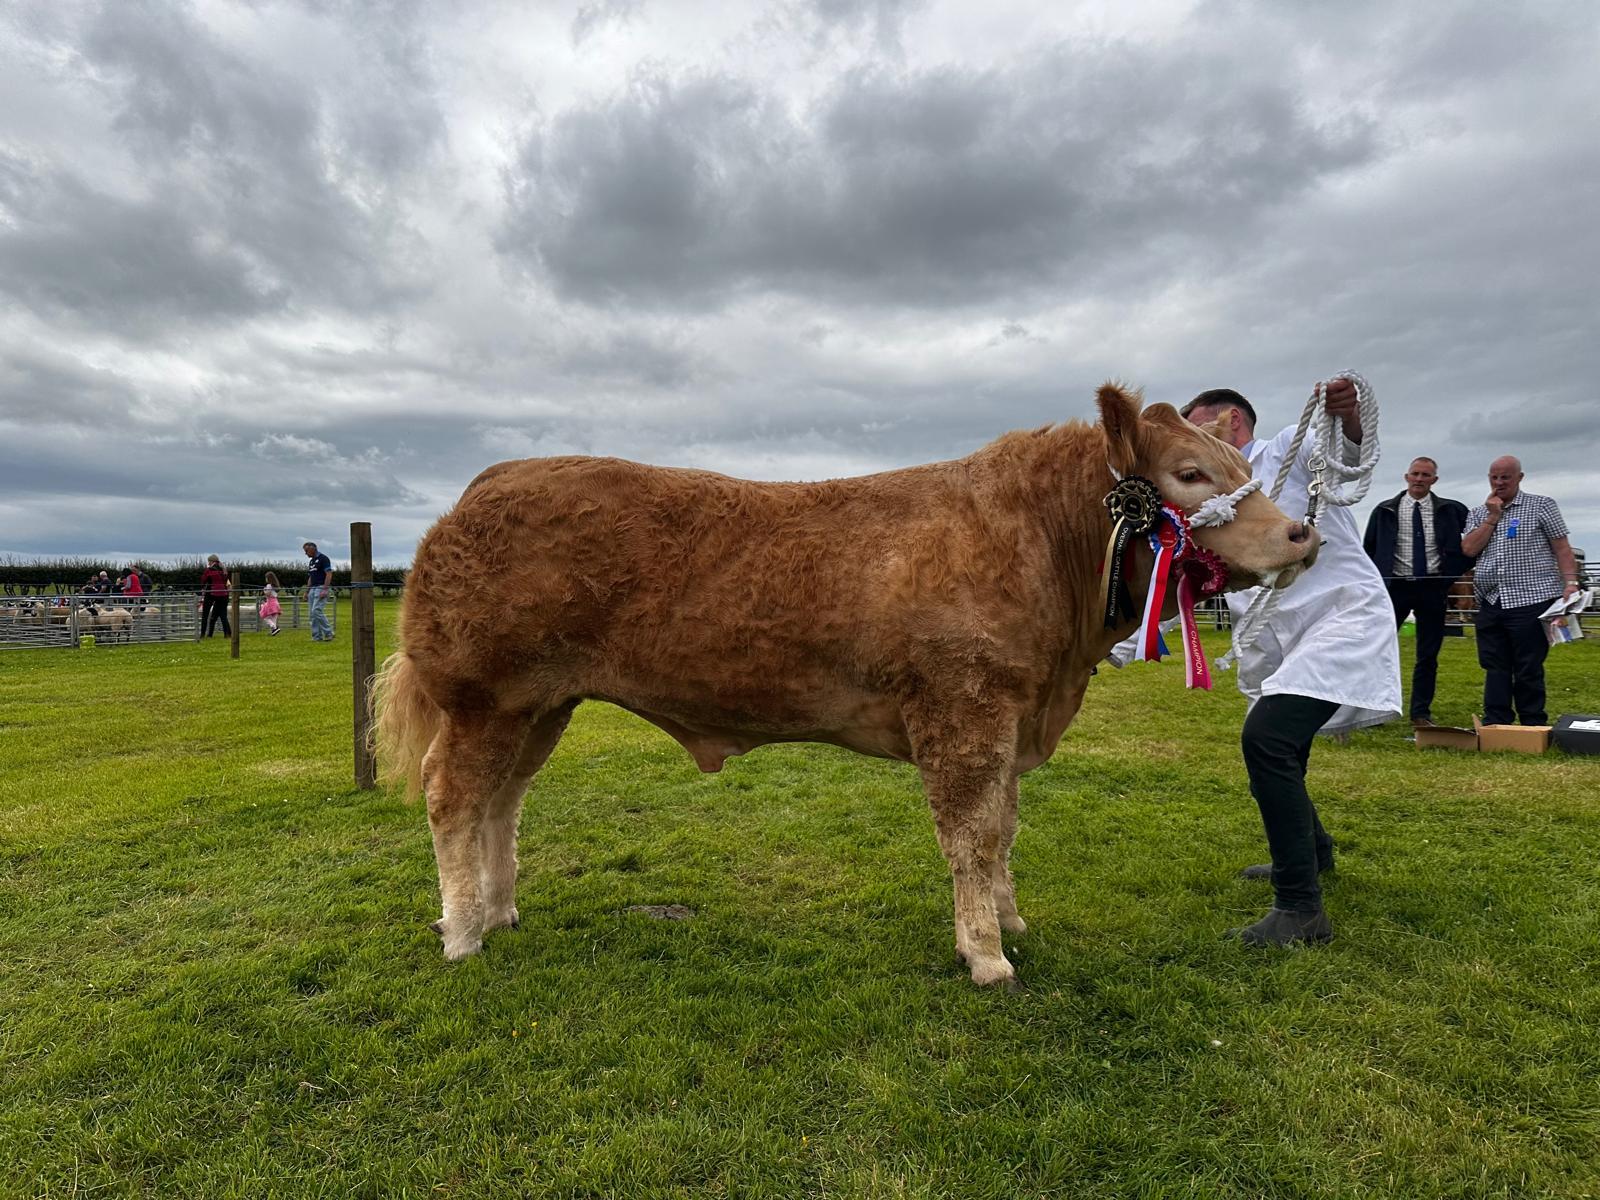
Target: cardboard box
1446 737
1525 739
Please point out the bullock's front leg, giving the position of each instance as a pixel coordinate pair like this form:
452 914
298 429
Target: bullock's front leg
1005 891
469 762
968 798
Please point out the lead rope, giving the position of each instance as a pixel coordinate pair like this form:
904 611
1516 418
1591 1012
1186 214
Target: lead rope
1322 492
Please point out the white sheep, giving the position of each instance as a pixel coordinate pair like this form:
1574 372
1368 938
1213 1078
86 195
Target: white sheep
118 622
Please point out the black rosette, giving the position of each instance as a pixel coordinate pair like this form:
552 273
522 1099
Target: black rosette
1134 505
1136 501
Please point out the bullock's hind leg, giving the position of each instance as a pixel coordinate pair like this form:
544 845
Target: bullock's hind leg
500 821
1005 892
968 798
470 761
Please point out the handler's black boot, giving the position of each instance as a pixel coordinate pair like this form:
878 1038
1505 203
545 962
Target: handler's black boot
1282 927
1264 870
1324 863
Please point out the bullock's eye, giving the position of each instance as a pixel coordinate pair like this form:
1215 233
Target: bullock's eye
1191 475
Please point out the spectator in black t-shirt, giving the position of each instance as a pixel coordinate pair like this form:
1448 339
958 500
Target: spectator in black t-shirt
319 585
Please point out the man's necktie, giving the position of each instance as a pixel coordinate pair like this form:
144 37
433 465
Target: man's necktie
1419 545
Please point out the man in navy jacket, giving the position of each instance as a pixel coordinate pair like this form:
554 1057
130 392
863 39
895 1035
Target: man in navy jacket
1415 541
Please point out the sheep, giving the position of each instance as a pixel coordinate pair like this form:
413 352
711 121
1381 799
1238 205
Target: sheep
118 622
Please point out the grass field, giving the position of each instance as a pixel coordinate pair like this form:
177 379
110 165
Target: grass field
216 977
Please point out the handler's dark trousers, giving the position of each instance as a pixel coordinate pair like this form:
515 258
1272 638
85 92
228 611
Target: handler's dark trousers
1511 650
1426 598
1277 749
215 606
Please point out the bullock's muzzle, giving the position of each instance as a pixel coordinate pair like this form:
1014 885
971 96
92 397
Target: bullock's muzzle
1304 535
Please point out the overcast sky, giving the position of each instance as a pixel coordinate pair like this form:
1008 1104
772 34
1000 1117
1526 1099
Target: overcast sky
269 268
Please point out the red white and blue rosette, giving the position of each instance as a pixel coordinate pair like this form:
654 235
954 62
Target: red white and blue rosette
1169 542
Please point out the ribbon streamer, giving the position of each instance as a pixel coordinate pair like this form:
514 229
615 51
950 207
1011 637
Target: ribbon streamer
1196 671
1167 542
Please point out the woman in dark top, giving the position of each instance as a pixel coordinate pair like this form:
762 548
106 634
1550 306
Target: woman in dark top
214 593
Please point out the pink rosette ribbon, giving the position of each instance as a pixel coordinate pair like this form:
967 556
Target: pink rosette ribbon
1203 574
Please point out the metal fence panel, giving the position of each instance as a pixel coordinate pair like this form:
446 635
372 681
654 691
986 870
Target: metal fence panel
31 622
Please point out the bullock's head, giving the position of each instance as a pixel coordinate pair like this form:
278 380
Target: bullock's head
1191 461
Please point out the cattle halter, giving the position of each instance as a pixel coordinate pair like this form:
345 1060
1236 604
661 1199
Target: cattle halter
1222 507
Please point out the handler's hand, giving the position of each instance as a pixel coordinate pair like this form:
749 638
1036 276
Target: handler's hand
1494 504
1340 397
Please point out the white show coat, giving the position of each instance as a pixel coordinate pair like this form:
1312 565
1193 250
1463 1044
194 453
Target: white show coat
1332 633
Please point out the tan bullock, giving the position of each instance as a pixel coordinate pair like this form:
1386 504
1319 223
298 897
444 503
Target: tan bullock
945 615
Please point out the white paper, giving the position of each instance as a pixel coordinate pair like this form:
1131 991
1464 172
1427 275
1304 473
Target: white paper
1565 608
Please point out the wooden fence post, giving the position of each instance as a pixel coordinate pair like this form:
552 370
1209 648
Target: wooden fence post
363 645
233 609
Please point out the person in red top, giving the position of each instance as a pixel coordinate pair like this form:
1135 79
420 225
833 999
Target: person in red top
214 594
131 586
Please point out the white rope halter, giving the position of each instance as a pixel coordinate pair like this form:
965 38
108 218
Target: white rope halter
1222 508
1327 436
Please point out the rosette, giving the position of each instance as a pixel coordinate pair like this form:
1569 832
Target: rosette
1134 505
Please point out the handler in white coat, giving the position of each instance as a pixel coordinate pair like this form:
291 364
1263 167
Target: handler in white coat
1326 660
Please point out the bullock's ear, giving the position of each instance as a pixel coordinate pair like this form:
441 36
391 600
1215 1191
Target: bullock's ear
1119 418
1165 414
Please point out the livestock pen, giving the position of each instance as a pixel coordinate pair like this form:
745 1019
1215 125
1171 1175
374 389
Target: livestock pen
64 621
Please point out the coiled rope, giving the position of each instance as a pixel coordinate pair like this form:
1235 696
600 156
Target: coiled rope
1328 472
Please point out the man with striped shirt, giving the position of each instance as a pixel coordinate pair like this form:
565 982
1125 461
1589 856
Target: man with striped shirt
1524 563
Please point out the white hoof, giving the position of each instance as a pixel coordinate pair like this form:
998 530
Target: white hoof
1013 925
458 947
506 919
987 972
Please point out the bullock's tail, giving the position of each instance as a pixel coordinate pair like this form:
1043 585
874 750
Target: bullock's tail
404 721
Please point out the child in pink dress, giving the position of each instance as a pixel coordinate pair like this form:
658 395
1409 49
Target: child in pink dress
270 608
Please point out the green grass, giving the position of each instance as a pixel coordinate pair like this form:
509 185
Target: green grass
216 977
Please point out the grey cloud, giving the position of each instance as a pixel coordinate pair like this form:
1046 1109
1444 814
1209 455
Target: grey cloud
43 386
1480 45
598 14
249 190
54 463
129 265
633 357
184 93
1563 429
924 188
277 269
1014 331
883 20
